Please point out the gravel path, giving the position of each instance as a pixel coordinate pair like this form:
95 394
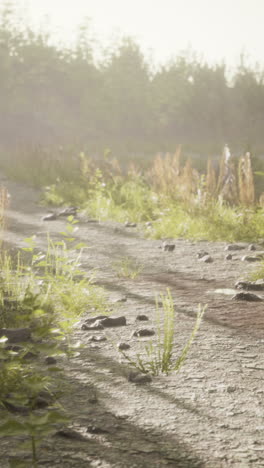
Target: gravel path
210 414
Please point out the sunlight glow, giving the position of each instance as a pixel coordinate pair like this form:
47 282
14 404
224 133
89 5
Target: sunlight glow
216 30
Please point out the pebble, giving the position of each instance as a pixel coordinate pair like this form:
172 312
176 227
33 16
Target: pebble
202 253
96 430
250 258
68 211
235 247
206 259
245 296
130 225
230 389
143 332
97 339
112 321
92 320
228 257
168 247
139 378
70 434
50 217
123 346
96 326
254 285
142 318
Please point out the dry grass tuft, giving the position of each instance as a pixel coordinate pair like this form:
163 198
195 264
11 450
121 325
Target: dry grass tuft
4 203
246 181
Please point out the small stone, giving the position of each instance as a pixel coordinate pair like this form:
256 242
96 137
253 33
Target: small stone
130 225
206 259
92 320
168 247
95 326
96 430
50 360
123 346
230 389
50 217
235 247
142 318
228 257
139 378
148 224
252 247
97 339
143 332
250 258
202 253
254 285
246 296
68 211
112 321
70 434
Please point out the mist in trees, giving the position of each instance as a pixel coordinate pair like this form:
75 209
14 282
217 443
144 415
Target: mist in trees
58 96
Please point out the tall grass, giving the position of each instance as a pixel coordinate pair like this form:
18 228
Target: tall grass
159 354
219 204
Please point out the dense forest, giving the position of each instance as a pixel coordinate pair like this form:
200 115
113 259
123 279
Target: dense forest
50 95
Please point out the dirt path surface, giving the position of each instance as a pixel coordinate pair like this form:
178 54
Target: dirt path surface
210 414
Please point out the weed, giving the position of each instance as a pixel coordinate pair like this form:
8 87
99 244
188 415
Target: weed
128 268
46 293
159 354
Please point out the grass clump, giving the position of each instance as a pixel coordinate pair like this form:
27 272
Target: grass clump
128 268
159 355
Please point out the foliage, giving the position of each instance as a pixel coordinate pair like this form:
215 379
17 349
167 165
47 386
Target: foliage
177 199
46 293
53 96
159 356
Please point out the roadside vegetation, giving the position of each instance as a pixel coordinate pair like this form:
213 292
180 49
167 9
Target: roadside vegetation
42 296
170 198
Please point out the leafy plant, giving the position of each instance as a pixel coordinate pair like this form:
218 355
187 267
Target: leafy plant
158 355
45 292
35 426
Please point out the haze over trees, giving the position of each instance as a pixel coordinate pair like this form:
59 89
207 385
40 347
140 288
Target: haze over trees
55 96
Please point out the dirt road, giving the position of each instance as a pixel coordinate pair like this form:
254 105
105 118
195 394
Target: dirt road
210 414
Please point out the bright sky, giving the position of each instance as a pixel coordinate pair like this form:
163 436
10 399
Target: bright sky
216 29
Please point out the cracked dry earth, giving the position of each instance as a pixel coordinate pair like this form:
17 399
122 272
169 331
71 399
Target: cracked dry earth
210 414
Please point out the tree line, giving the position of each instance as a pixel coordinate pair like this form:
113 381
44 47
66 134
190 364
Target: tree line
50 95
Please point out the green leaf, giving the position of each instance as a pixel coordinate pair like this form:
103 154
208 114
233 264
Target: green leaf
12 427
